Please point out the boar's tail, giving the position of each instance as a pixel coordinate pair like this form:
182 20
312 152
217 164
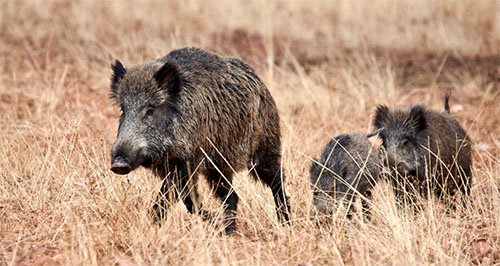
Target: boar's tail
447 102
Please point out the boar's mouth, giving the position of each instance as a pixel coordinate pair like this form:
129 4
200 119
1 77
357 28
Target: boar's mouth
121 166
412 172
406 172
147 162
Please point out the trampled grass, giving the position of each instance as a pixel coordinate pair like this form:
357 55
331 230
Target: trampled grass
328 64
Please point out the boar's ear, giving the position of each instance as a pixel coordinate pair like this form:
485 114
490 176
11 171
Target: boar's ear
168 77
373 133
314 170
118 72
381 116
417 118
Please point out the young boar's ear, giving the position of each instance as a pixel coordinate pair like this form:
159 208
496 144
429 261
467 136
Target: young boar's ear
381 116
118 72
373 133
417 116
313 170
168 77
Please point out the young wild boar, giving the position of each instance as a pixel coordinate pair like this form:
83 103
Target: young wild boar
425 149
348 165
195 112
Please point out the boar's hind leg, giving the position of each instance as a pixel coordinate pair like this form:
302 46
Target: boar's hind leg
461 185
466 175
222 186
268 170
177 184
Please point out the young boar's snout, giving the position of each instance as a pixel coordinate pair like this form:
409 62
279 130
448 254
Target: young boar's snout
401 167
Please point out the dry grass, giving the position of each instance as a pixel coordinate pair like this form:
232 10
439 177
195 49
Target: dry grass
328 64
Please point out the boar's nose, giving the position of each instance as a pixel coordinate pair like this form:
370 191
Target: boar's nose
402 168
120 166
390 161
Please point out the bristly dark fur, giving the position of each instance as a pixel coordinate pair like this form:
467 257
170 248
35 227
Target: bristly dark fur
343 140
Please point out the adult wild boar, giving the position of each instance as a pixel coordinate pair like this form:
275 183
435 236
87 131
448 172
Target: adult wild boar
195 112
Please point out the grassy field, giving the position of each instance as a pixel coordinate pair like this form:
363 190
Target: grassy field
328 64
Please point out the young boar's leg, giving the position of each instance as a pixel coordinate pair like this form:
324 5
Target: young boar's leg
268 170
177 184
351 209
365 205
222 186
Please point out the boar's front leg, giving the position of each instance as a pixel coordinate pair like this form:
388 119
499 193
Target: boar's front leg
221 183
178 183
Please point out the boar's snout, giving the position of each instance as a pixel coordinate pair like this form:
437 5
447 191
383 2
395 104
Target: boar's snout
120 166
402 167
127 157
323 203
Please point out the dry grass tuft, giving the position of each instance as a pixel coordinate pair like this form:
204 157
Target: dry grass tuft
328 64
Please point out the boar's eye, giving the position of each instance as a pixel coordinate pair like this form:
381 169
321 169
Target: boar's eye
383 141
150 110
404 143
